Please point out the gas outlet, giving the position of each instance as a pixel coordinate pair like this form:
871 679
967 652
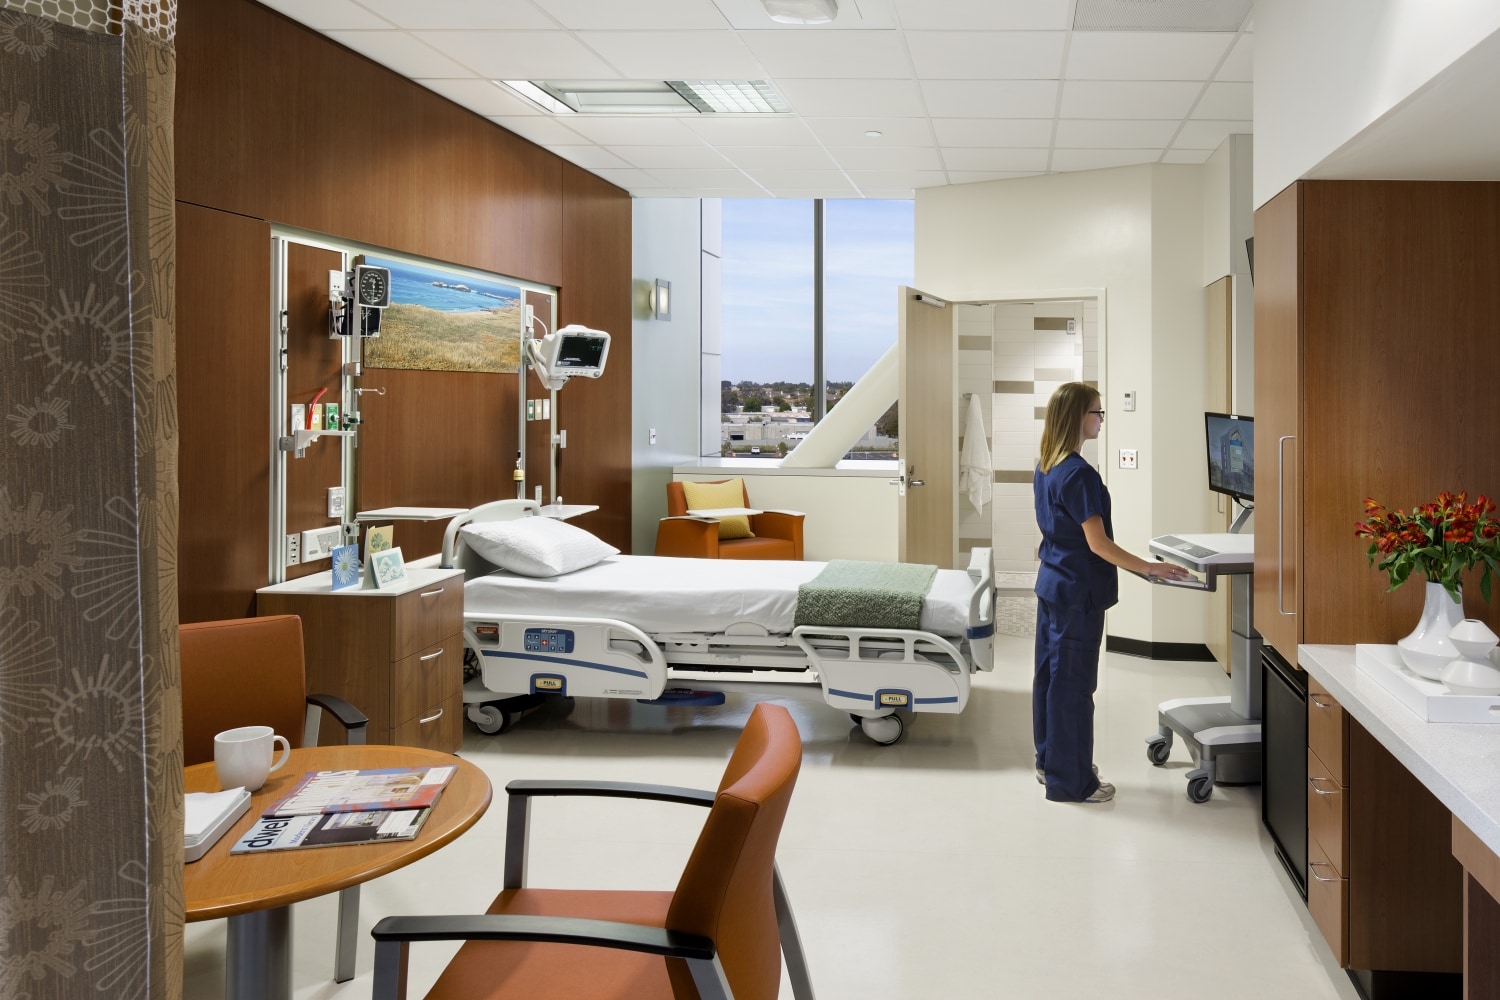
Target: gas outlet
1127 458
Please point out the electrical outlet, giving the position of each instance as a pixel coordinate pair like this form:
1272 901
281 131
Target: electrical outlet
293 549
320 542
1127 458
336 502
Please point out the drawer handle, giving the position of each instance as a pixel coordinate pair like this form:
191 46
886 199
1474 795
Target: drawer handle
431 718
432 593
1314 699
431 656
1313 784
1312 869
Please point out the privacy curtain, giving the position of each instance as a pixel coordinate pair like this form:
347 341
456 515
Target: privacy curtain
90 707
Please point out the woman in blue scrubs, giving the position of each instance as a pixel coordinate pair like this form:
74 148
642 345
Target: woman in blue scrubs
1076 583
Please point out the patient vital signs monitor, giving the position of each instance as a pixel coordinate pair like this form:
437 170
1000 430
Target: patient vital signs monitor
1231 455
573 350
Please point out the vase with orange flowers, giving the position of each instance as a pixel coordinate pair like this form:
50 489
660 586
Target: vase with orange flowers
1439 541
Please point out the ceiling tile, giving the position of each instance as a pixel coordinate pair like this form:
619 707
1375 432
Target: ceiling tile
831 54
845 192
986 55
589 157
674 55
1096 159
643 130
767 157
751 130
965 15
540 129
851 131
880 194
851 98
975 176
750 15
1146 55
725 178
328 14
1028 160
400 52
1089 133
1207 134
517 55
990 98
1226 102
608 15
1186 155
627 178
482 97
776 177
993 131
459 14
649 157
1237 67
897 179
888 158
1130 99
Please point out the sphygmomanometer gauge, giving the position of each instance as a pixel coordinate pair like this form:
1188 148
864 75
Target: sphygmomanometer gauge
372 286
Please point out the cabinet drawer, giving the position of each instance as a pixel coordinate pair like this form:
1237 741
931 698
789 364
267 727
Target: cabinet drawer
1328 902
1326 815
427 615
426 678
438 728
1325 729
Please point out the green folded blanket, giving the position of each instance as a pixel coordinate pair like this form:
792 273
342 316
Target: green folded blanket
857 594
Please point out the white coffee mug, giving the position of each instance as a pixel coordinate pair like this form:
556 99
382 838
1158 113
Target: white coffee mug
242 757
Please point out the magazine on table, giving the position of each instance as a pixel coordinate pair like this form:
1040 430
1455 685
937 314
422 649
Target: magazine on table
369 790
278 833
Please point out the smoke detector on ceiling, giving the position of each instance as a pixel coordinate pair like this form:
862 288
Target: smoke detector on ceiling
802 11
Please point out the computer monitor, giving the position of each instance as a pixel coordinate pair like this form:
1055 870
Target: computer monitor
1231 455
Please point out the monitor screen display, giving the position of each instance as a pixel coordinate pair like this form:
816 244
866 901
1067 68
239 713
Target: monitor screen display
580 352
1231 455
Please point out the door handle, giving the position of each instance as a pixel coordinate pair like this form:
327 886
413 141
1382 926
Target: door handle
917 482
1281 523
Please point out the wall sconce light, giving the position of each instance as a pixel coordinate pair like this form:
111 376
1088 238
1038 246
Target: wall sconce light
661 299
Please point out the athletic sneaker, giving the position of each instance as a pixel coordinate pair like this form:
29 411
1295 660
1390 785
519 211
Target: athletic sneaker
1041 775
1103 793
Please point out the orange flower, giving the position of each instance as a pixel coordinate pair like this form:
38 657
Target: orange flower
1441 539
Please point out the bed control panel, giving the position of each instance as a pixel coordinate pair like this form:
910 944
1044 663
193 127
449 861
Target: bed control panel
548 640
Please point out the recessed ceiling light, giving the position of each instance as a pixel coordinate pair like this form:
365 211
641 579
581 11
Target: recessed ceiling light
649 97
801 11
536 95
874 134
731 96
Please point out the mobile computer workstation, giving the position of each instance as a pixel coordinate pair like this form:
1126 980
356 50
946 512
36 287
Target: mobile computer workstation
1221 734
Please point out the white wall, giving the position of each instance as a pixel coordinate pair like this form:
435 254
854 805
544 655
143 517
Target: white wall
1136 233
1229 220
1327 70
666 379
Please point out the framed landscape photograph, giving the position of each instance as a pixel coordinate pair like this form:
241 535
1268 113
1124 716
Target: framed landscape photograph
446 320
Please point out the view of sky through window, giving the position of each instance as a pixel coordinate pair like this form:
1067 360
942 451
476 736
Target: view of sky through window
768 286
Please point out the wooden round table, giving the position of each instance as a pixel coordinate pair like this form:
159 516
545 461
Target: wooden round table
255 891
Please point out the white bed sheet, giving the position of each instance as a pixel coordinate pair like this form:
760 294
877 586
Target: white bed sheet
663 594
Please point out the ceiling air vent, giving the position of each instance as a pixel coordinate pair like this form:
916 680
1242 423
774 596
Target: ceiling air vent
1160 15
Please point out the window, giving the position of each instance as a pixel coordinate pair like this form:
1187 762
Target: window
770 348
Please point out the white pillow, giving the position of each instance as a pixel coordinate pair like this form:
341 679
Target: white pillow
536 546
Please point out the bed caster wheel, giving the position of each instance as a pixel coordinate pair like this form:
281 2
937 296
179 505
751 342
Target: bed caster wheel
490 719
884 730
1158 749
1199 787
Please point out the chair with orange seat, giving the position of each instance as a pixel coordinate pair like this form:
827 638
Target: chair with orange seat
771 534
252 672
720 935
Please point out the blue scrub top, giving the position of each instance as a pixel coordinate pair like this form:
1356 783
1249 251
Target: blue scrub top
1068 495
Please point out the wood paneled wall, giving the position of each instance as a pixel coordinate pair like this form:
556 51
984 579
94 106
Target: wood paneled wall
276 124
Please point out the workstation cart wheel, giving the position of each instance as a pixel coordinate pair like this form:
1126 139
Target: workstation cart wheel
1200 786
1158 749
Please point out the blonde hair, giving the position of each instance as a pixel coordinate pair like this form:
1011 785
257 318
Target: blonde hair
1062 432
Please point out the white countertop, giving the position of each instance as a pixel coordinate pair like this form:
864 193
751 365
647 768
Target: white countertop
322 583
1458 762
873 469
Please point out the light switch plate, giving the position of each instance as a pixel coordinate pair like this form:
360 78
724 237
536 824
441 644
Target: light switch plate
1130 402
1127 458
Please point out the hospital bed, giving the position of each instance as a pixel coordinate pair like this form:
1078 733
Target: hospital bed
641 626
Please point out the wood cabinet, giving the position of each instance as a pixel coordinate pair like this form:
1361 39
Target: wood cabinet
1383 886
396 655
1373 332
1481 913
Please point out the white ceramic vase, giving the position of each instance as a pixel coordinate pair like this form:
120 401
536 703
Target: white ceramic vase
1472 671
1427 650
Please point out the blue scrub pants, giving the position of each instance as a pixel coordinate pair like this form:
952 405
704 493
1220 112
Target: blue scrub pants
1062 697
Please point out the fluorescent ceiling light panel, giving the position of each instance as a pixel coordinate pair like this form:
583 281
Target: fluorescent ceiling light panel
536 95
801 11
731 96
650 97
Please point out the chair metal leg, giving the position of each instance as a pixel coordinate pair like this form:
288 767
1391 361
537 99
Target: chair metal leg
348 935
791 941
390 970
517 829
708 976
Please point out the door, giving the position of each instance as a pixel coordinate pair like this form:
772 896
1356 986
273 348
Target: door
927 414
1217 300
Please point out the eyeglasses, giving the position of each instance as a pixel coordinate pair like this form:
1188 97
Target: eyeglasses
1099 412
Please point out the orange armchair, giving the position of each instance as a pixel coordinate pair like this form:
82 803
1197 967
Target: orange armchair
720 935
778 534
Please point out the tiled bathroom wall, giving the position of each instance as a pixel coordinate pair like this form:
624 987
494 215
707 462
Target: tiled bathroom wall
1012 356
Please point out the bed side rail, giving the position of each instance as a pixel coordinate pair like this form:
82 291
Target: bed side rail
981 634
457 555
882 669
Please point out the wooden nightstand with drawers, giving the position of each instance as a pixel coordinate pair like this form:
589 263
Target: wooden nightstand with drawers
396 655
